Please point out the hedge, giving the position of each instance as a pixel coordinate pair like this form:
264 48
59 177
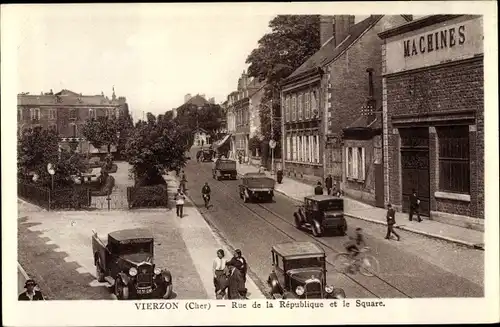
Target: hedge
147 196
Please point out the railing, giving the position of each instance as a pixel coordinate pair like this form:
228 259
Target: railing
35 194
109 202
66 198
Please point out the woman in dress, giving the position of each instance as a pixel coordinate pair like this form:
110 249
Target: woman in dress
219 267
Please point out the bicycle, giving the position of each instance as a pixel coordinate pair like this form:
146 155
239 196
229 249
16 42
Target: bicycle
206 199
365 264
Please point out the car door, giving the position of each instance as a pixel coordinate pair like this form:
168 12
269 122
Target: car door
99 248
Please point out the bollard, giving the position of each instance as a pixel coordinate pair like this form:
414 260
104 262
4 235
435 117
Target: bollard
109 204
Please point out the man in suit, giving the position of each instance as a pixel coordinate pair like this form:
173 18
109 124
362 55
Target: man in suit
31 294
318 190
329 184
414 206
391 220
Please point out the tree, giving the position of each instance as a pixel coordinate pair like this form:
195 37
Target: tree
38 147
125 125
189 117
101 131
292 40
154 147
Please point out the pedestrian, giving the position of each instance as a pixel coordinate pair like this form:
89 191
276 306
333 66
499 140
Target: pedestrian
179 202
218 268
31 294
329 184
391 220
318 190
414 206
235 287
240 263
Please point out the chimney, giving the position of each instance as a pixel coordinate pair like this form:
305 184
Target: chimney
187 97
212 100
370 108
326 28
342 25
203 96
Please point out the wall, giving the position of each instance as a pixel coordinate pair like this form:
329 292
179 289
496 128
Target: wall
255 101
445 88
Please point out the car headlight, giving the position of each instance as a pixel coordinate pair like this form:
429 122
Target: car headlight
132 271
329 289
157 271
299 290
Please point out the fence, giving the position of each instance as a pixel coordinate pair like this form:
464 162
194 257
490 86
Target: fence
67 198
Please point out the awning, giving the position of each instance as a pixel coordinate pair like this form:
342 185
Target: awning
221 142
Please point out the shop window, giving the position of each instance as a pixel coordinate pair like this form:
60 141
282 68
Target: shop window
454 175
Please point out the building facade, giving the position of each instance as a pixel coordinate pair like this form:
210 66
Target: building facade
201 137
433 110
66 112
242 116
328 94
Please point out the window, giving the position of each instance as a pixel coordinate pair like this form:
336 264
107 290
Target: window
294 107
92 114
74 130
52 114
19 114
35 113
300 106
355 163
287 108
53 127
110 112
314 103
72 114
316 139
307 105
299 147
454 159
288 147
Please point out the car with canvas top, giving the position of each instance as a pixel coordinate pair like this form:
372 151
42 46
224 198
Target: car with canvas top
256 186
126 263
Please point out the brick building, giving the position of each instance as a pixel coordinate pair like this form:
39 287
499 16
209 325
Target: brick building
326 95
66 112
433 110
242 115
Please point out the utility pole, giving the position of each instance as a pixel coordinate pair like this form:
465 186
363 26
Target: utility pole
272 133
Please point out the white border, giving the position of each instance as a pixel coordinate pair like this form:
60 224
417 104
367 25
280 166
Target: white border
59 313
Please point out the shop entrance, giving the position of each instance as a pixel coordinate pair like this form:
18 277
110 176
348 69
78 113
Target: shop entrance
415 167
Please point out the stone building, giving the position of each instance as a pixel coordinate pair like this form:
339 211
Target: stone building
242 116
66 112
433 108
201 137
328 94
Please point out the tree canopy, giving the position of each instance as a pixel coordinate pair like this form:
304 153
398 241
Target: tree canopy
189 117
101 131
37 147
155 146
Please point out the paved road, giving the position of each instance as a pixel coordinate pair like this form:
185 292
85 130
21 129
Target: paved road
415 267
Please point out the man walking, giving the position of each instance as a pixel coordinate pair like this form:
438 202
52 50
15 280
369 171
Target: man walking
235 287
318 190
414 206
391 220
329 184
179 202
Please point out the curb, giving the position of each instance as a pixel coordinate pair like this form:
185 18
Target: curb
30 204
408 229
23 272
416 231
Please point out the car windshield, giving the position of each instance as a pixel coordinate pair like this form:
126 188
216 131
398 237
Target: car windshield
305 263
332 205
135 248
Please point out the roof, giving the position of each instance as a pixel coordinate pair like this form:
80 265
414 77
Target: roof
330 51
128 234
64 98
199 129
321 197
416 24
297 249
197 100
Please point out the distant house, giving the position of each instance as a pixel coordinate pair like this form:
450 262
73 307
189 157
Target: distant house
201 137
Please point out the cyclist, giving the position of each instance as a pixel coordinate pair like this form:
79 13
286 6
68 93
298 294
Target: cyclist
205 191
354 245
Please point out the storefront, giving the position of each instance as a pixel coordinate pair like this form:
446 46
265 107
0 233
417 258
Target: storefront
433 109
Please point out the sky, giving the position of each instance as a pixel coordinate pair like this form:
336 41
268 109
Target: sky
152 54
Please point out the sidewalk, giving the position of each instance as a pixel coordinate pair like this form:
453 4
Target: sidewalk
355 209
203 243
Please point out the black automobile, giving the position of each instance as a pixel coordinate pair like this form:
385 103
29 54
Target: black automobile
256 186
299 272
125 262
320 213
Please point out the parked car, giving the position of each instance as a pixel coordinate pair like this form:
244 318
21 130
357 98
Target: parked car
299 272
126 263
320 213
256 186
224 168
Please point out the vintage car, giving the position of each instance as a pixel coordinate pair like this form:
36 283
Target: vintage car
256 186
299 272
126 263
320 213
224 168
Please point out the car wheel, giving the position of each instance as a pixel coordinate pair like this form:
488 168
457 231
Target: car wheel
316 229
338 293
296 220
168 292
121 290
99 272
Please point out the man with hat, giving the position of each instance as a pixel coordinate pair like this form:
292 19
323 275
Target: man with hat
31 294
236 288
